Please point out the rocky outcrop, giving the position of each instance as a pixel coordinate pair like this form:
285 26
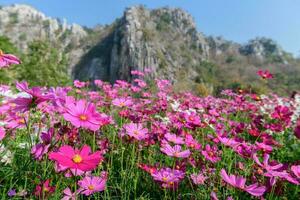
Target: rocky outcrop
263 48
23 24
163 40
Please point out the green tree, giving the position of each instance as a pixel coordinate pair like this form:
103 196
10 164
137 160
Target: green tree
44 65
7 76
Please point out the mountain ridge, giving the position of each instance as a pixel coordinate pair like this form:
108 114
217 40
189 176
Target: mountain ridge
165 40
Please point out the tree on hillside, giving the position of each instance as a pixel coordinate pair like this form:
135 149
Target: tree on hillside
44 65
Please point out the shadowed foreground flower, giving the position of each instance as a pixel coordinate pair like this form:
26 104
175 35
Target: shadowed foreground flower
77 159
92 184
44 189
8 59
240 183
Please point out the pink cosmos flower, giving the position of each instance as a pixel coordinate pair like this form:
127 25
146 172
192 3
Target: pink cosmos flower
138 73
296 170
265 165
77 159
92 184
39 150
122 102
136 131
211 153
168 178
198 179
82 114
8 59
44 189
174 138
282 113
79 84
69 195
175 151
297 129
2 133
35 97
264 74
240 183
191 142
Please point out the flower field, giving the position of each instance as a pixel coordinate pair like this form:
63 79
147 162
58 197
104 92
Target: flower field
136 141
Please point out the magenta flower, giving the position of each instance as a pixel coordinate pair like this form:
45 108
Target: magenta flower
175 151
91 184
282 113
240 183
122 102
44 189
39 150
211 153
8 59
136 131
174 138
82 114
79 84
69 195
296 170
265 164
168 178
76 159
297 129
264 74
191 142
198 179
2 133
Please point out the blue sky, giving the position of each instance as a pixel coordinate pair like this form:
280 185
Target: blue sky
237 20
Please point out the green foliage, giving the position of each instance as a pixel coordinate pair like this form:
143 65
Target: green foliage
147 34
163 22
44 65
6 75
13 17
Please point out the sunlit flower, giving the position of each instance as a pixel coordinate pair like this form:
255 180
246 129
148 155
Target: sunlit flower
82 114
77 159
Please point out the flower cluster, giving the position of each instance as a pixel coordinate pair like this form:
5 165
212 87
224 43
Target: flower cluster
134 139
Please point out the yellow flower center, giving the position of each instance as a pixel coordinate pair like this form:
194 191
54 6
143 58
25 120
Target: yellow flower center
165 179
21 121
46 189
135 132
91 187
122 104
13 105
211 153
77 158
1 52
83 117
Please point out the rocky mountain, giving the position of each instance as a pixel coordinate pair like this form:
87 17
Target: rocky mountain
164 40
